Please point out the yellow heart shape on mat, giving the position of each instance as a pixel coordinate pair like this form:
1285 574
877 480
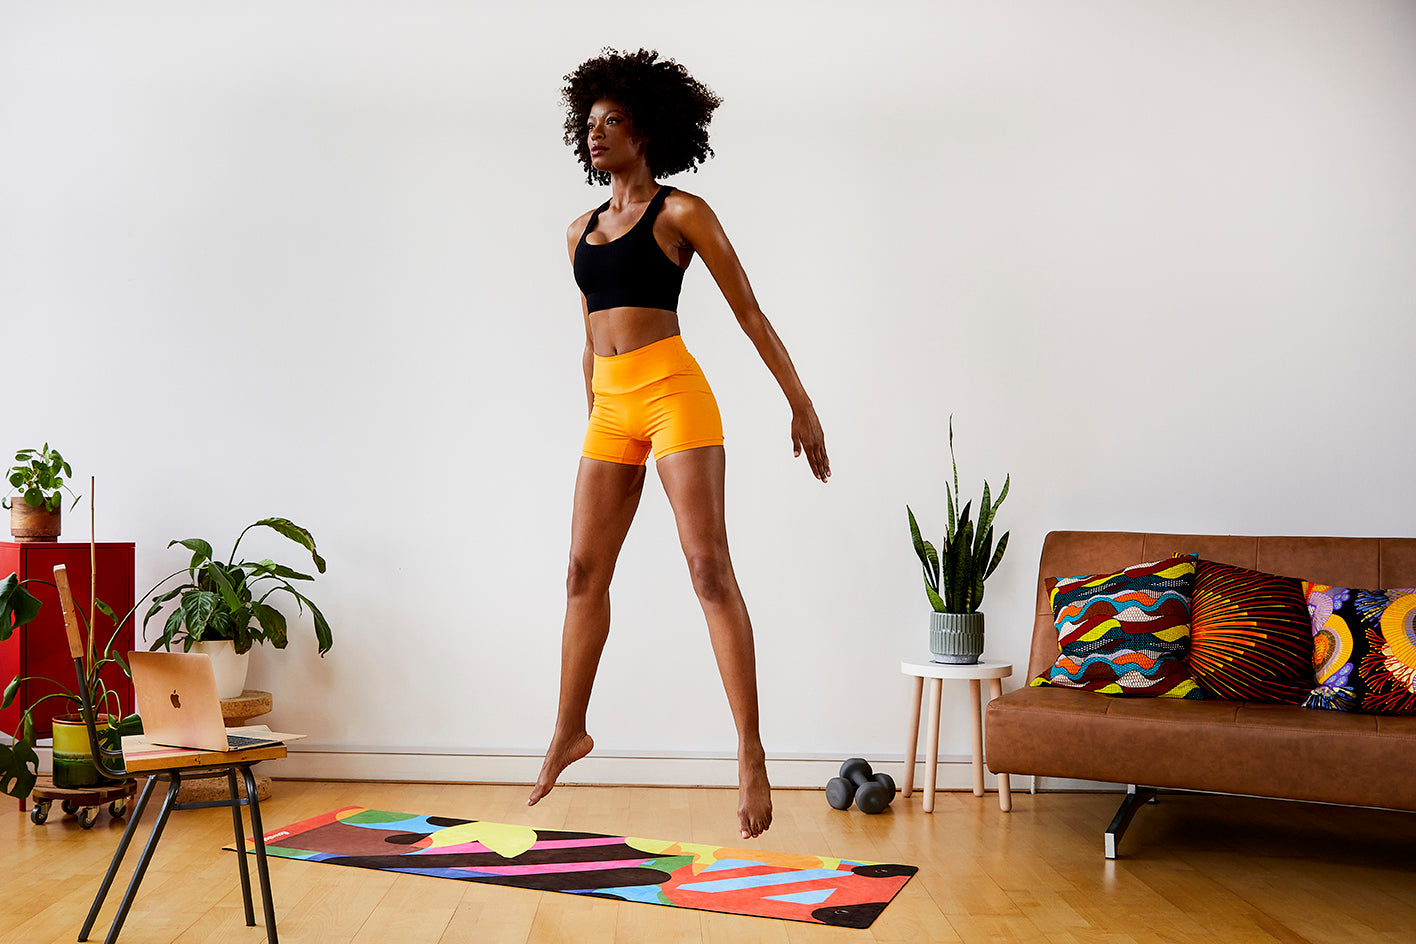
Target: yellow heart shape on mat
504 839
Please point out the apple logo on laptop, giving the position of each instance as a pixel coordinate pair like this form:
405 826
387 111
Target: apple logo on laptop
176 702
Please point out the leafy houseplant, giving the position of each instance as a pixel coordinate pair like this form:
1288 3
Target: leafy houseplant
38 479
218 601
38 476
228 600
954 574
18 762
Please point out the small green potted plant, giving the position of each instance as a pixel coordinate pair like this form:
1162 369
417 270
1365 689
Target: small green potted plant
38 480
954 574
73 764
223 608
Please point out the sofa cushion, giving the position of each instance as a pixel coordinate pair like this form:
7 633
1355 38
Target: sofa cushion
1364 649
1265 749
1251 638
1125 633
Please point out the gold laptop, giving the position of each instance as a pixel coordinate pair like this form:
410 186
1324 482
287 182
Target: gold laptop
176 696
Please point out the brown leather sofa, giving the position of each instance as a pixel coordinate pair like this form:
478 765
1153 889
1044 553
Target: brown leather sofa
1239 747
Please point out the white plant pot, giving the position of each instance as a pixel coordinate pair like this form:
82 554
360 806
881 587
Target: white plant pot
230 667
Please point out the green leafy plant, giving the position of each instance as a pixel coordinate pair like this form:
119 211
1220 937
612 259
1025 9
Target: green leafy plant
18 761
218 601
38 478
954 574
228 600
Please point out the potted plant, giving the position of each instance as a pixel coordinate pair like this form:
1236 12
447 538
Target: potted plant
38 479
19 764
954 574
223 608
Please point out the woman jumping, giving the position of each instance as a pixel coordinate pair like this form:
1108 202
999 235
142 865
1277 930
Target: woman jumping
632 118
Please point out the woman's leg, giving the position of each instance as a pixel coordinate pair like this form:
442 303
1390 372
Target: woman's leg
693 480
606 496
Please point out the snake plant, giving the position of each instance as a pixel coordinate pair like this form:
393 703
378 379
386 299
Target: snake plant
954 574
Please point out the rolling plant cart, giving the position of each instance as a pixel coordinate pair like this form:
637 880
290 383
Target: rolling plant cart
83 802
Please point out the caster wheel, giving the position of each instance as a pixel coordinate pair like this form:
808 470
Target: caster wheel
40 813
88 816
68 806
117 808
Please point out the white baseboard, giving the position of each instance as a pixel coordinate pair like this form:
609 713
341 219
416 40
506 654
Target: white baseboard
954 772
596 769
625 769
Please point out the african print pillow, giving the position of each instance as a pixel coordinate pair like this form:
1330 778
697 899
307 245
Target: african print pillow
1250 635
1364 649
1125 633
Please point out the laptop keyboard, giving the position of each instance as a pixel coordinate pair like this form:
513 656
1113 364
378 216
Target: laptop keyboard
238 741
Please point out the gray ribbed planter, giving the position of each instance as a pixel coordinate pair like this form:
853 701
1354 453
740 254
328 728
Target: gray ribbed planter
955 638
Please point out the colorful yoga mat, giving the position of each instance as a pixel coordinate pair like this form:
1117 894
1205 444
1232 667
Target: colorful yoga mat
841 892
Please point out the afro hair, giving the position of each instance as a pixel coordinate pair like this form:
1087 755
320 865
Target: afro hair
667 106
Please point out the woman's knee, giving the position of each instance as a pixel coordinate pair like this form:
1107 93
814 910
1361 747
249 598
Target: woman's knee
585 577
712 575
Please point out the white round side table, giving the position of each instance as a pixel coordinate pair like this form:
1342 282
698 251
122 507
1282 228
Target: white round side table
937 672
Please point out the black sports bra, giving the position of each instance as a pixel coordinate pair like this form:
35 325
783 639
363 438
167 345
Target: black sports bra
630 271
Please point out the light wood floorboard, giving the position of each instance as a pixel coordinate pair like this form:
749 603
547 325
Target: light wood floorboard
1194 869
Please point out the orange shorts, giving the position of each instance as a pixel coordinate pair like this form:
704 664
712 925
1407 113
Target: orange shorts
653 396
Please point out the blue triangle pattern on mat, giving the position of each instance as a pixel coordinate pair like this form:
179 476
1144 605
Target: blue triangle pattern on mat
805 898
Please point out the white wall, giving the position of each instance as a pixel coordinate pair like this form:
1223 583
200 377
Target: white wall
306 259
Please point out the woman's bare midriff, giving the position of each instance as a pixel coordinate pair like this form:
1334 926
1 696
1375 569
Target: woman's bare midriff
621 330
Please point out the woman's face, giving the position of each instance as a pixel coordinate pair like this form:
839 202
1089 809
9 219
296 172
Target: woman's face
611 137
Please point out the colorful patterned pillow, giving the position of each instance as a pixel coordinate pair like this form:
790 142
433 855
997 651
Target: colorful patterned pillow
1364 649
1125 633
1250 635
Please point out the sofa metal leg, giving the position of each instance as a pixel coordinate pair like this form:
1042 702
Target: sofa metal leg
1135 796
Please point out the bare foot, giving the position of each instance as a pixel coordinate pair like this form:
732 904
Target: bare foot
754 796
559 756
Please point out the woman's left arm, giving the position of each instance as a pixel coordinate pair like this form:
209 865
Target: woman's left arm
702 233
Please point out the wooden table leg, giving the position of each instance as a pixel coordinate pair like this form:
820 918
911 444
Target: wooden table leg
931 749
1005 789
912 748
976 710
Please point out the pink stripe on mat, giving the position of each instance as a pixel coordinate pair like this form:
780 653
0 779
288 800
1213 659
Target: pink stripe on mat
555 844
580 843
555 867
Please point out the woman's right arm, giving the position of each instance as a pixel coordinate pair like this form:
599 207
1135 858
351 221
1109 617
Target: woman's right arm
587 359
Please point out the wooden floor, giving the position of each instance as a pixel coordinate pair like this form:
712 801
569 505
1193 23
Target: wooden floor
1200 870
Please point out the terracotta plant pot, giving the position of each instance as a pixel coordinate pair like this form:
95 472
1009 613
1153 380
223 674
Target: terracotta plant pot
33 524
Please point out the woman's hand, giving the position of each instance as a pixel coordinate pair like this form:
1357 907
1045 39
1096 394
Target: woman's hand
807 437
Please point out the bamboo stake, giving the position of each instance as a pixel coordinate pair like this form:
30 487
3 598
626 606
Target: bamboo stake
93 573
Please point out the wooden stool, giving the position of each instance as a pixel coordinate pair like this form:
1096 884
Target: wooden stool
937 672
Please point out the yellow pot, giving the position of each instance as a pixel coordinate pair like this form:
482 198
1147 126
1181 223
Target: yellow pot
73 761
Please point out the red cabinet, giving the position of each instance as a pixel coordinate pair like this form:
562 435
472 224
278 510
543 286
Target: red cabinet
40 648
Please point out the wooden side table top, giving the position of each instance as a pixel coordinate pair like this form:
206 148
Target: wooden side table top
249 704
